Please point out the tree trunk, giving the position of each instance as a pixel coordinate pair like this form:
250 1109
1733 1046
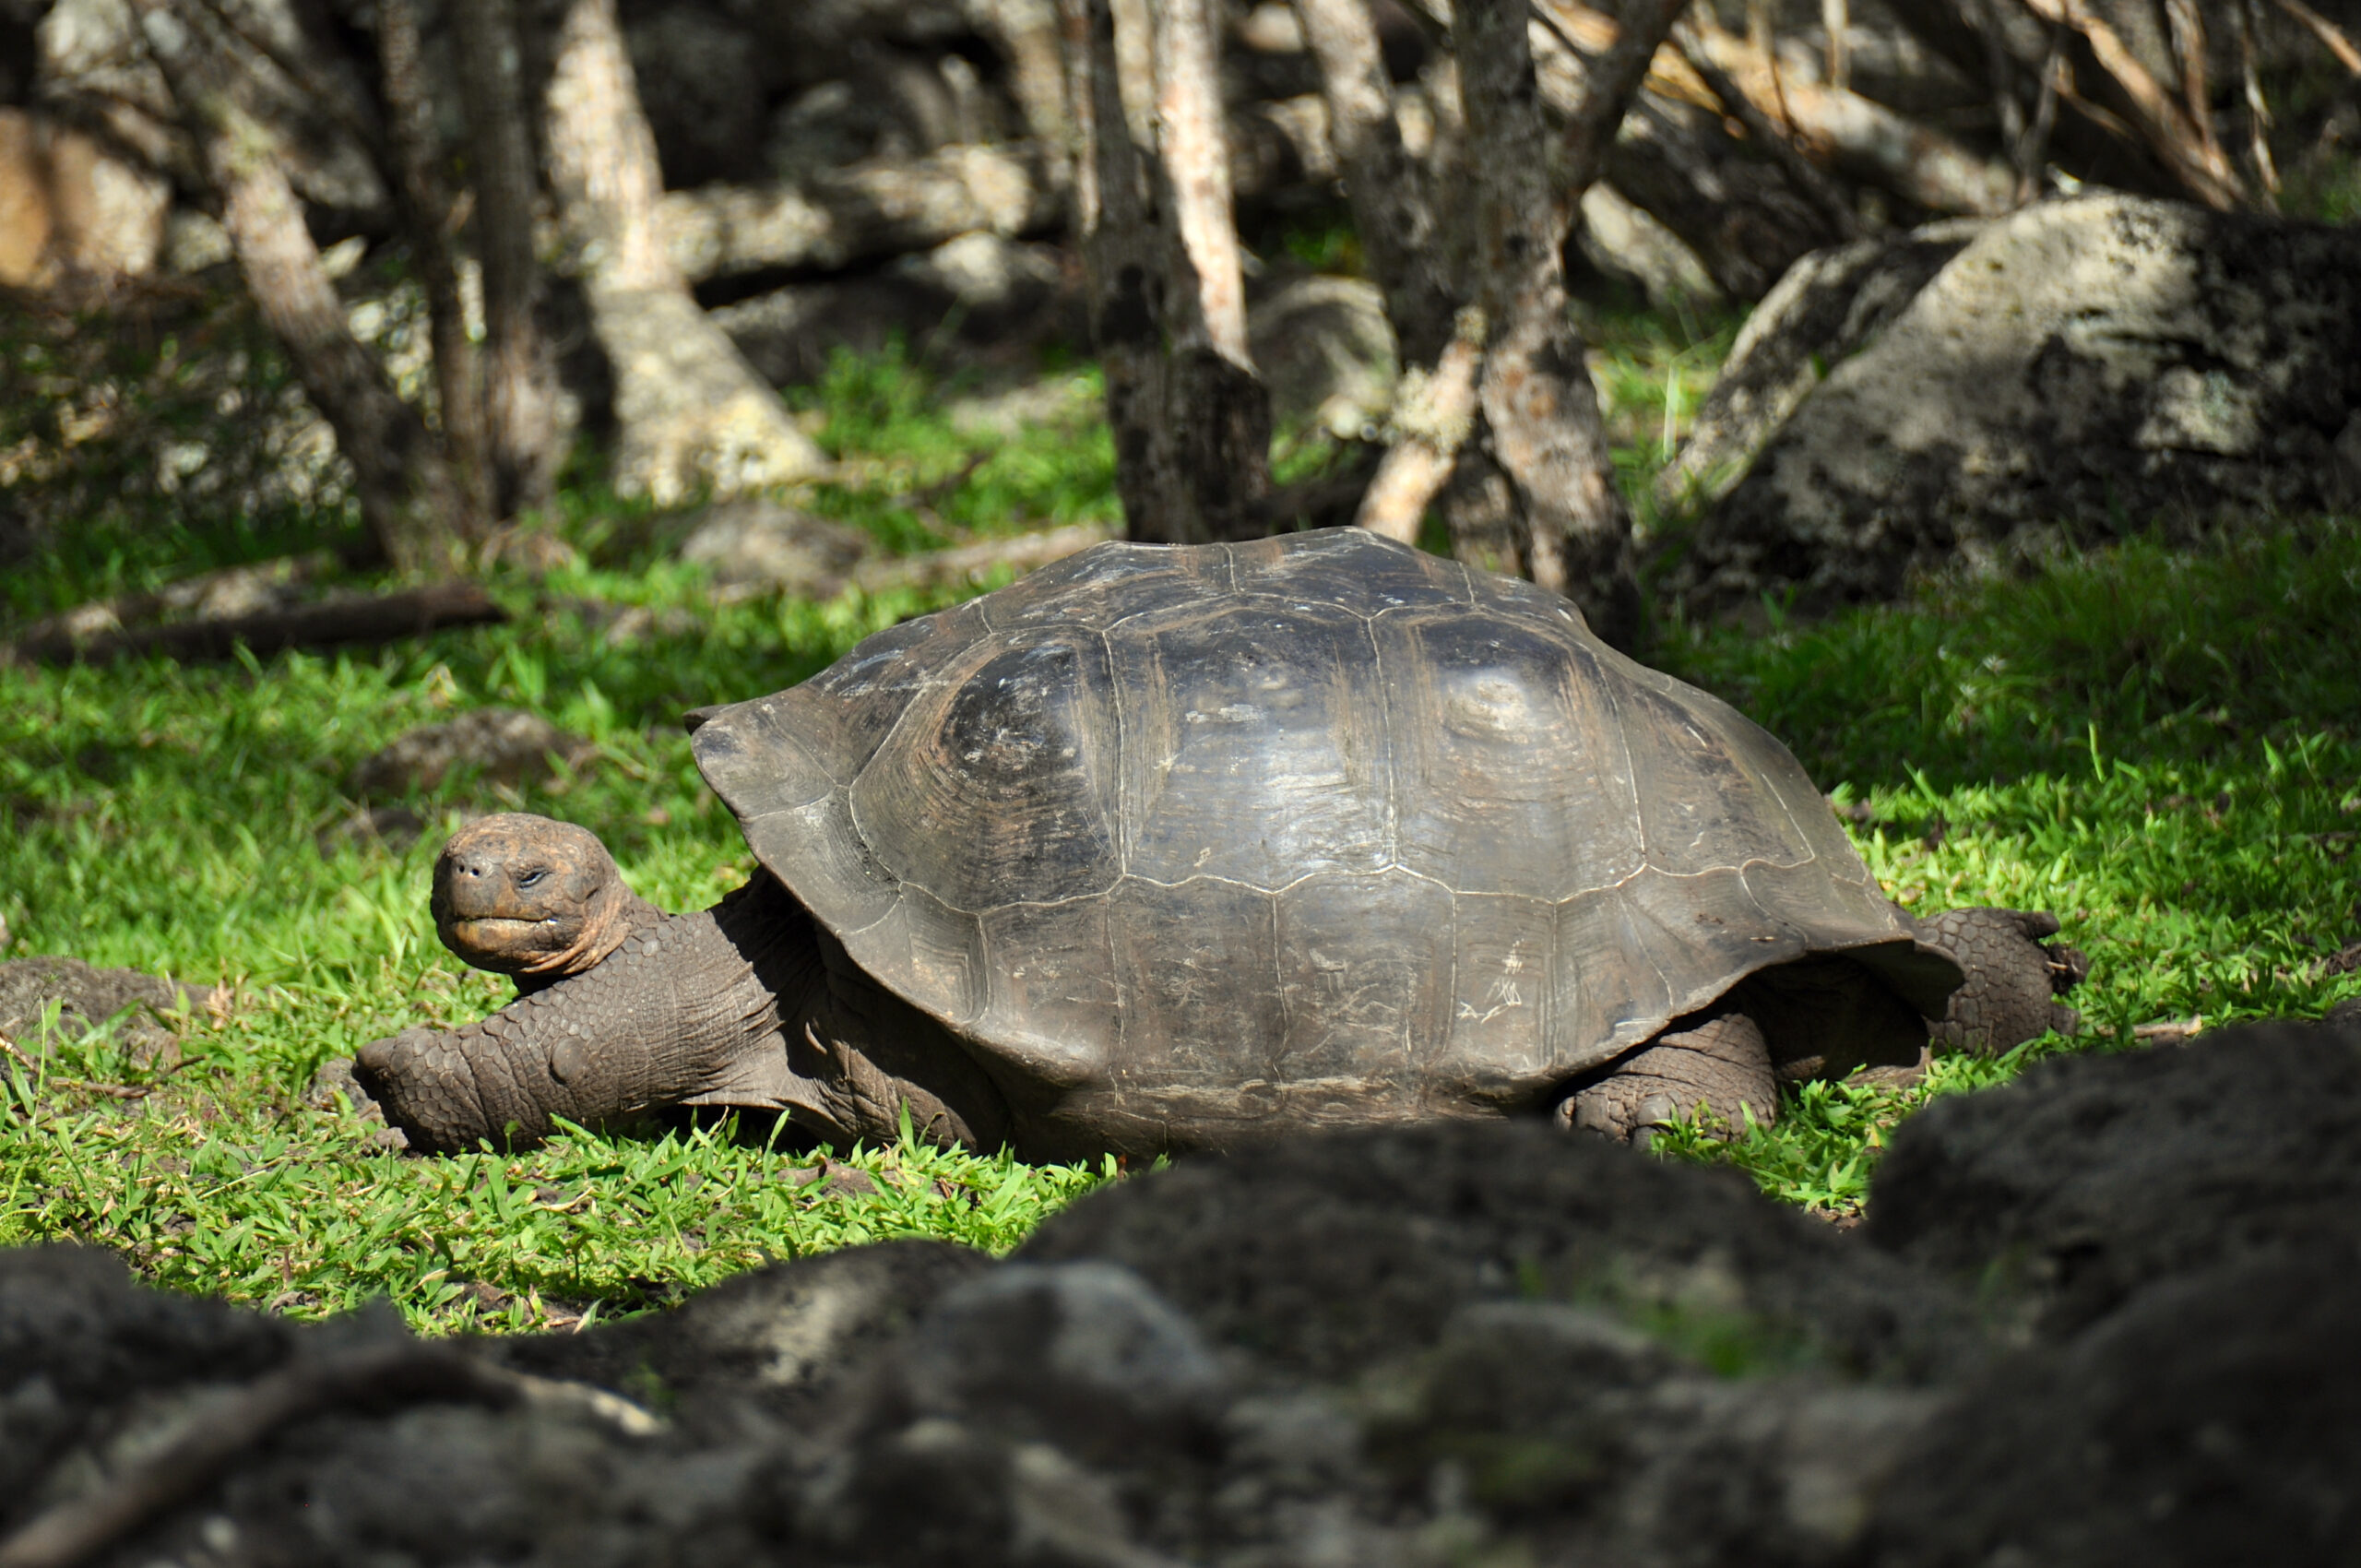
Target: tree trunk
425 208
690 412
1542 426
520 379
1392 212
410 500
1192 423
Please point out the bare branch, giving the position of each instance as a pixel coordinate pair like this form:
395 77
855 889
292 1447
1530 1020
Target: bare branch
2257 107
1835 19
2162 123
2339 43
1393 209
1772 138
1614 78
1433 414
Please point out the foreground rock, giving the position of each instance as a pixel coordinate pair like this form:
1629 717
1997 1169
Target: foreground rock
2079 370
1446 1344
2093 1177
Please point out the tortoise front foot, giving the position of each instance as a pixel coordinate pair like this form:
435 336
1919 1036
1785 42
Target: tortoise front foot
448 1091
1721 1066
2014 977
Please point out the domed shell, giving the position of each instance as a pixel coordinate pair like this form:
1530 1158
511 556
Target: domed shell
1319 827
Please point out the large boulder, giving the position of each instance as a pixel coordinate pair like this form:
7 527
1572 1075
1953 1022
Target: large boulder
2080 370
1326 351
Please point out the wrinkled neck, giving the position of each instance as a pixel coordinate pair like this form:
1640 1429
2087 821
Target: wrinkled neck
620 916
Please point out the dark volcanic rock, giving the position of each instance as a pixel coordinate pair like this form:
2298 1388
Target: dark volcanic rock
787 1337
2215 1420
79 1343
1405 1348
2093 1176
1323 1255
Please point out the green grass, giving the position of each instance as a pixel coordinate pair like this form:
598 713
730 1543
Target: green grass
2159 745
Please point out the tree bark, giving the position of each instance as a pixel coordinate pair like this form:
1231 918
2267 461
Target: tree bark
519 377
409 501
1541 423
1393 210
1192 423
425 208
690 412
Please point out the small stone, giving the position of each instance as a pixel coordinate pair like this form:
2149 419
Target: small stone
756 543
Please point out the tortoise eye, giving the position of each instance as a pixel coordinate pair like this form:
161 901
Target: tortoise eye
531 877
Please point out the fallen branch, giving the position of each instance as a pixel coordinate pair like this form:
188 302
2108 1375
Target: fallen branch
863 212
1861 136
233 590
1773 134
339 618
2161 122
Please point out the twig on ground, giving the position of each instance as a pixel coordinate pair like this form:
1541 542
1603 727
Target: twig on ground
339 617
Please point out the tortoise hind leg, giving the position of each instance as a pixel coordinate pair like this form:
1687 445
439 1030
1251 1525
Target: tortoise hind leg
1716 1062
2015 978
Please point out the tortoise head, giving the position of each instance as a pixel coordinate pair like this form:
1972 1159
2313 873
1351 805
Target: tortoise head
524 894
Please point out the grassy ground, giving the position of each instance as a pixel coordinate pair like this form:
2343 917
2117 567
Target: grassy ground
2159 746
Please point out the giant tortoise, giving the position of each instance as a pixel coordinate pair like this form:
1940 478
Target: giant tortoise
1170 847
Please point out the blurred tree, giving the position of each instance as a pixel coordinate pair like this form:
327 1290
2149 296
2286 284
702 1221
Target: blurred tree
690 413
411 500
519 385
1168 298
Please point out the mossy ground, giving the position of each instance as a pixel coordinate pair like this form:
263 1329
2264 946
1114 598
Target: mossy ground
2158 744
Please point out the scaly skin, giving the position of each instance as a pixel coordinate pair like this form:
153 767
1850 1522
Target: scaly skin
2014 977
661 1020
745 1003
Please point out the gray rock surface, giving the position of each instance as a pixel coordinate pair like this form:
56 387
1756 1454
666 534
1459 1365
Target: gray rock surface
756 543
1326 352
1464 1343
1325 1256
978 297
1828 307
2216 1412
789 1339
2082 369
500 745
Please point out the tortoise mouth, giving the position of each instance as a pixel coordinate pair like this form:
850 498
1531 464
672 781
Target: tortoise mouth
499 931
